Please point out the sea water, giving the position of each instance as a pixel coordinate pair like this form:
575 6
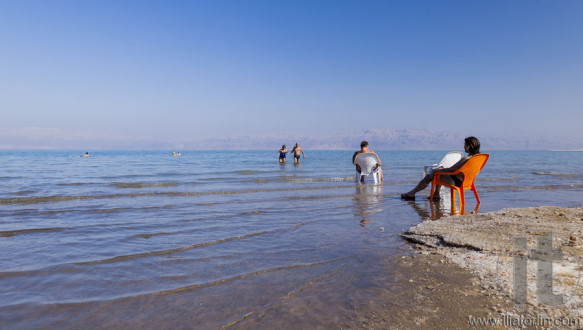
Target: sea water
216 238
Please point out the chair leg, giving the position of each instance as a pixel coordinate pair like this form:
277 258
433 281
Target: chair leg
432 190
452 198
476 193
462 201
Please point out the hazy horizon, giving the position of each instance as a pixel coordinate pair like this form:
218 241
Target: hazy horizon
379 138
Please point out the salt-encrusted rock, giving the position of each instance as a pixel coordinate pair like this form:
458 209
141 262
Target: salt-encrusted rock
484 243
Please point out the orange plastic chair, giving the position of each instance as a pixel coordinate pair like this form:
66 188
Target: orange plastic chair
470 170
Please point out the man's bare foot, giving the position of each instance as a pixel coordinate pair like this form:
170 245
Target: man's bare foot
407 197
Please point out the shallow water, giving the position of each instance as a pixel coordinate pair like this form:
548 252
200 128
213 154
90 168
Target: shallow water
224 238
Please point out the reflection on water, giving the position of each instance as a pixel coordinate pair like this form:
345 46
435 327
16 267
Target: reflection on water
440 208
368 200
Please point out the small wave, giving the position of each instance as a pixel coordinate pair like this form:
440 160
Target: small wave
333 179
64 198
249 172
37 212
126 185
562 175
169 251
170 174
10 177
133 176
10 233
127 176
24 192
499 179
253 212
300 198
244 275
218 178
549 187
390 181
295 179
69 184
147 236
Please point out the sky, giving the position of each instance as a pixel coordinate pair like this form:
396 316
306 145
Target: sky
186 70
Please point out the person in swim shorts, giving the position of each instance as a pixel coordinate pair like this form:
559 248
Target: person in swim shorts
296 151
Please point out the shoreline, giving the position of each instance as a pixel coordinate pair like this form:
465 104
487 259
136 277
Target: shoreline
483 246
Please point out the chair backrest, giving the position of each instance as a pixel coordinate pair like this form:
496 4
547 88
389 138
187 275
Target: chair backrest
366 161
451 158
472 167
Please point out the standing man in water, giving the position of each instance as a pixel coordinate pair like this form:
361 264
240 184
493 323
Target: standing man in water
296 151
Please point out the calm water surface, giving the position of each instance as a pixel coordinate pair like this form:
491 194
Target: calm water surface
229 238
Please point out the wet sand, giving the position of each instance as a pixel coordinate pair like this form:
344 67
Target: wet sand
482 244
429 292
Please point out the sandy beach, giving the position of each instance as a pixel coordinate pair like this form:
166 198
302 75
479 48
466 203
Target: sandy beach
483 244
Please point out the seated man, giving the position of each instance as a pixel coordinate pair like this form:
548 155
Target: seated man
472 147
364 150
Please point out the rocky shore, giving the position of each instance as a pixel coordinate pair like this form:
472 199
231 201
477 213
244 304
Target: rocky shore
485 244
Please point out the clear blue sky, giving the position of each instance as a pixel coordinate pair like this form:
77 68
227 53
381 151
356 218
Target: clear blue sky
174 69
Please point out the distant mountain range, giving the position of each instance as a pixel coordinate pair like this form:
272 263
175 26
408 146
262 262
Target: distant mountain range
384 139
379 139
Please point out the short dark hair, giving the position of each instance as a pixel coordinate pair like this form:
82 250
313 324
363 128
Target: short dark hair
473 145
283 146
363 144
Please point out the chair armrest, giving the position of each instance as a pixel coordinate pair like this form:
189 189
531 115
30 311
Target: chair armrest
437 173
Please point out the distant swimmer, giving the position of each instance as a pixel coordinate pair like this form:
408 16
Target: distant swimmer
296 151
178 153
364 150
173 153
87 154
282 153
